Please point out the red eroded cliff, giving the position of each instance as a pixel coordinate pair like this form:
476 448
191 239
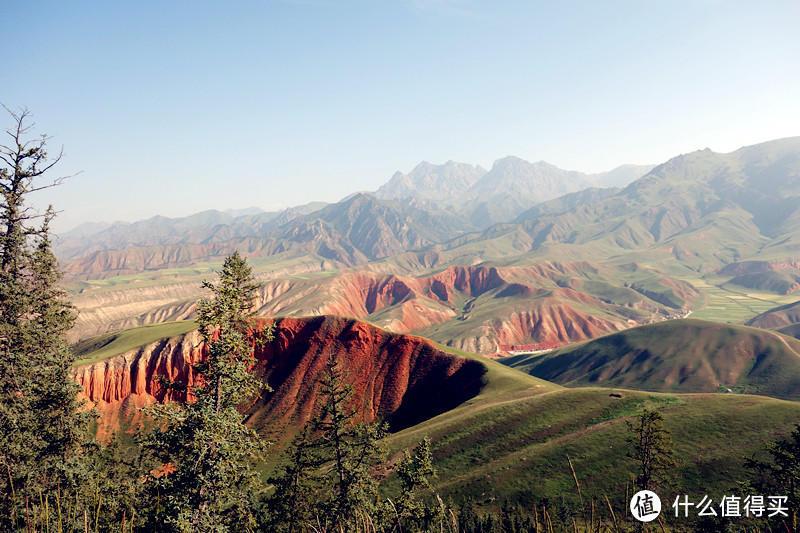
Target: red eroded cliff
467 280
555 324
118 386
400 378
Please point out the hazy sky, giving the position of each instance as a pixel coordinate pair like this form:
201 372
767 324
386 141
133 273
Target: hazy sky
174 107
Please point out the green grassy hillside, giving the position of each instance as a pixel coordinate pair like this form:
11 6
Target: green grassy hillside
510 443
677 356
792 330
108 345
780 316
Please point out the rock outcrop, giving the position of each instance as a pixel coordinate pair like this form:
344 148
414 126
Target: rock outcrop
400 378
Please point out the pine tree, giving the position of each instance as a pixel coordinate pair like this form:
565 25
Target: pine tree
41 428
209 452
413 472
781 474
350 447
652 449
297 488
328 483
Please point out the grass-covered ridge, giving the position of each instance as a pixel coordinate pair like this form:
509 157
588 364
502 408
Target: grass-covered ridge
107 345
792 330
686 355
510 443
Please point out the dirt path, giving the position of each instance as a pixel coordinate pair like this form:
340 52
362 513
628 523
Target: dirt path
780 338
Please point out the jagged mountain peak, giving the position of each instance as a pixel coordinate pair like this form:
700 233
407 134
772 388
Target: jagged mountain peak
541 180
432 182
512 162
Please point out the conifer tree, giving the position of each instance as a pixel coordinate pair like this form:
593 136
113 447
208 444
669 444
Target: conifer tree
327 483
351 448
780 475
297 488
41 428
209 451
413 472
652 449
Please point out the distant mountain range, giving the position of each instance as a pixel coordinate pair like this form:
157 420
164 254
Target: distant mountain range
502 193
699 211
457 197
455 182
585 281
590 258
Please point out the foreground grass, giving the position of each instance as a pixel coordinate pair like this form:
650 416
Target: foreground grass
511 442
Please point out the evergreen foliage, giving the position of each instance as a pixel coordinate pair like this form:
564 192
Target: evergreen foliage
350 448
207 477
780 475
652 449
292 504
42 431
328 483
413 471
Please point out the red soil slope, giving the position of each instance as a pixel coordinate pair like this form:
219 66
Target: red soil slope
473 308
542 303
400 378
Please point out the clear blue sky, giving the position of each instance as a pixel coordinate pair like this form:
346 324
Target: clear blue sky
173 107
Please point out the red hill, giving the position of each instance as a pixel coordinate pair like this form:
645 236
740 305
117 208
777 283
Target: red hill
400 378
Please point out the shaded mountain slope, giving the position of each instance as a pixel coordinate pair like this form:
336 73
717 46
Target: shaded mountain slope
780 316
349 233
567 202
400 378
780 276
680 356
792 330
698 211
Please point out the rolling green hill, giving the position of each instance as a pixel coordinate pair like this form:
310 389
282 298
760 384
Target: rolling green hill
107 345
792 330
510 443
686 355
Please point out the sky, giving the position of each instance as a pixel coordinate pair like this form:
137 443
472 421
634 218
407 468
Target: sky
171 108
